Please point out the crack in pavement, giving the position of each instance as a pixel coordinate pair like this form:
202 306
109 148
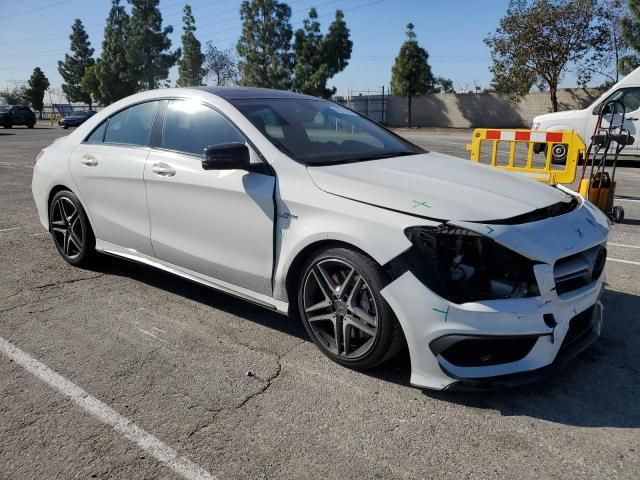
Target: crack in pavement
263 389
65 282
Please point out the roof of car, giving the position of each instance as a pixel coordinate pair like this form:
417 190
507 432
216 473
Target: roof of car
237 93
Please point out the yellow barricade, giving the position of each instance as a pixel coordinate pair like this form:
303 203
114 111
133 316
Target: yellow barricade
563 146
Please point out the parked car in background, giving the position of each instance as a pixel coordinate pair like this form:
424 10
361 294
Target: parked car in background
75 119
11 115
583 122
306 207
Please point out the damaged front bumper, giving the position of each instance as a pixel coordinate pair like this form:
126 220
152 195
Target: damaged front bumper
506 342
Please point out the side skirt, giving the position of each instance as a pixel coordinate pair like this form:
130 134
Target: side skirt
228 288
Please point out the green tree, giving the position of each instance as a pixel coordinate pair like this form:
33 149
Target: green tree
148 45
38 84
310 71
318 57
264 46
74 66
614 47
537 40
630 26
442 85
90 82
13 95
110 79
411 73
337 45
190 65
220 65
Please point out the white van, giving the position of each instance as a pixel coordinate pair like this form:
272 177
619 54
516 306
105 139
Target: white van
584 121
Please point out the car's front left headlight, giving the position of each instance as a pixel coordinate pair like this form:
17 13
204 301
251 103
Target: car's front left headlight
463 266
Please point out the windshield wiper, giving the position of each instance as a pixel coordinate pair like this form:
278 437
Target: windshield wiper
372 156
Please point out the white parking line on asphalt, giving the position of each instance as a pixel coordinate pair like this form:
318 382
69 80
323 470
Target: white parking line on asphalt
150 444
633 200
619 260
9 229
623 245
16 165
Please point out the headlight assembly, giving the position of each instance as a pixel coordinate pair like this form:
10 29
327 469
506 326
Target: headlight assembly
463 266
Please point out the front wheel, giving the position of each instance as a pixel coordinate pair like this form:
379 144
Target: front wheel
617 214
7 125
31 125
559 154
343 311
71 231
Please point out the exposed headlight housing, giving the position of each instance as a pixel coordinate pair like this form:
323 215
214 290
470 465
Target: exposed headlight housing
463 266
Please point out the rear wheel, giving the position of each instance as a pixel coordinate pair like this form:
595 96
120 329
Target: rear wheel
71 230
343 311
7 125
31 125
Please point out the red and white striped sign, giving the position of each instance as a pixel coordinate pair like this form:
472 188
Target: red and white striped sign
525 136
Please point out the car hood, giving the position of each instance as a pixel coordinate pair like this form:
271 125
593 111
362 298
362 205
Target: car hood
556 116
437 186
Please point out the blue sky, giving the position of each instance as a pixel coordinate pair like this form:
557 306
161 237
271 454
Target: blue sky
35 33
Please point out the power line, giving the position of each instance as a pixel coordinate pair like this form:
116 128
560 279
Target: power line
44 7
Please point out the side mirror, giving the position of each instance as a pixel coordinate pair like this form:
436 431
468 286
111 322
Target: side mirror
226 156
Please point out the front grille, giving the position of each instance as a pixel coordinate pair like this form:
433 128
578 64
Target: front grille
579 327
578 270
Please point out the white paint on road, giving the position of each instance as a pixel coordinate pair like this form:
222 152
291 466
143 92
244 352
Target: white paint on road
623 245
9 229
101 411
619 260
10 164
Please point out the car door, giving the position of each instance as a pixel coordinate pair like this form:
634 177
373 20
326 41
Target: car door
108 169
630 98
213 222
17 116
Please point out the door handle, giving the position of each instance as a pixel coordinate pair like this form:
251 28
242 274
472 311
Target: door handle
89 160
632 119
163 169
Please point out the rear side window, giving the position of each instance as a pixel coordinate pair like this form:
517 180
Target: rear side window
190 126
98 134
131 126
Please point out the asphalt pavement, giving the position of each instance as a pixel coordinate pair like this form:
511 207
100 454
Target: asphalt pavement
125 372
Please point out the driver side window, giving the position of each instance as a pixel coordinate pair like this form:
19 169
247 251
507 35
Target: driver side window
630 98
189 127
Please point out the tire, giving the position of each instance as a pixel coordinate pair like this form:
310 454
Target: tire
31 125
7 125
559 154
354 327
539 147
65 127
71 231
617 214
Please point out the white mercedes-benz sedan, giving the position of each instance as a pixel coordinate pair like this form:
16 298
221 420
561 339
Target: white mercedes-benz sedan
310 209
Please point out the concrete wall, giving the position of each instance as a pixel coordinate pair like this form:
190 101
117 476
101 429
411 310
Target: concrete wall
482 109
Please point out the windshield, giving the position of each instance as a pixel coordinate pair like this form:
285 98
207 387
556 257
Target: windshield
319 132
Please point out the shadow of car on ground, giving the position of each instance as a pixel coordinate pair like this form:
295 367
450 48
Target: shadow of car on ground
599 388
